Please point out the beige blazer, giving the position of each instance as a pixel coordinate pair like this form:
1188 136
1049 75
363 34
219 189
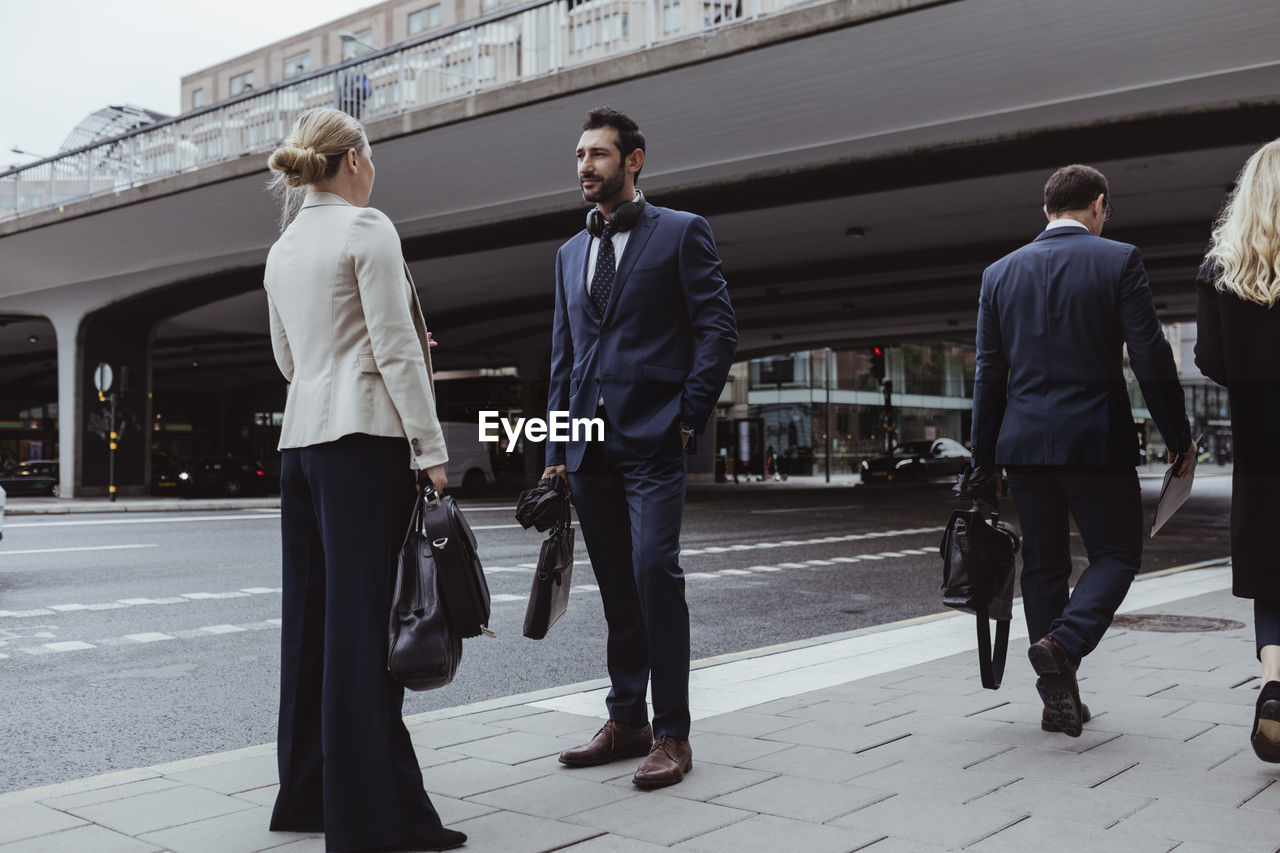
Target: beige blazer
348 333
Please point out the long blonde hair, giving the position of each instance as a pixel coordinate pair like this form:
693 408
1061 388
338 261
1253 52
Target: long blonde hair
318 141
1245 249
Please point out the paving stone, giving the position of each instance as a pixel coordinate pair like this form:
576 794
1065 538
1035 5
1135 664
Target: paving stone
732 749
1067 767
811 762
917 679
1185 821
931 823
930 723
1267 800
1142 707
501 715
240 832
475 776
497 832
1196 693
805 800
106 795
1216 712
746 724
778 706
1041 834
77 786
1247 765
428 758
80 840
161 810
232 777
1132 747
555 723
846 737
511 748
1068 803
452 810
900 845
862 691
939 751
835 711
1030 734
1168 728
600 773
553 796
305 845
615 844
1149 779
956 706
443 733
659 820
770 834
918 779
265 796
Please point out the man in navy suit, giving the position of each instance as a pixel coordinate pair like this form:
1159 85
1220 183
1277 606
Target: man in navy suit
1051 405
643 338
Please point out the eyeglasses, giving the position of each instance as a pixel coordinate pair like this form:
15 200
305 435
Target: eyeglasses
1107 210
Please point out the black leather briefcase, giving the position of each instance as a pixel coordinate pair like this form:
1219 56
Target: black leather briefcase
549 597
462 583
978 565
423 650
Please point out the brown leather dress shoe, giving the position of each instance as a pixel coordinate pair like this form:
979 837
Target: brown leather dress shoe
613 741
1061 692
666 763
1048 725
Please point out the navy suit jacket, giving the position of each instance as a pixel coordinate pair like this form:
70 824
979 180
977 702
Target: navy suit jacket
1050 388
661 352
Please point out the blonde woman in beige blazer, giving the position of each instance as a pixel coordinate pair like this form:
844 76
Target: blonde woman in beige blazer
349 337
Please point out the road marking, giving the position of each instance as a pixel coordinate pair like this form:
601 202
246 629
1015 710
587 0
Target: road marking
153 637
87 522
823 540
69 550
69 646
122 603
805 509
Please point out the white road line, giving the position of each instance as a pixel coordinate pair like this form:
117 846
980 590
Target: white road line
152 637
139 602
4 553
805 509
99 521
823 540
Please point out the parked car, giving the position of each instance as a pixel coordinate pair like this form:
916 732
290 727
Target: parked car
919 461
229 476
168 477
469 468
37 477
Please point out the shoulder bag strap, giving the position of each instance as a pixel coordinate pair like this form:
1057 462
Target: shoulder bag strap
991 661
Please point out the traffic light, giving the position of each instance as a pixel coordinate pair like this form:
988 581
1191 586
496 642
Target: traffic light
877 363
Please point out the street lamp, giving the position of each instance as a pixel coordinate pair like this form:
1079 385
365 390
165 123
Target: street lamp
16 150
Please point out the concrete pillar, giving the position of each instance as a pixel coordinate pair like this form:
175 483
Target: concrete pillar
66 329
535 371
120 336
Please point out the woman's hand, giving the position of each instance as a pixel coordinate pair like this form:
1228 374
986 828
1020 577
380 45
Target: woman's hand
431 343
434 477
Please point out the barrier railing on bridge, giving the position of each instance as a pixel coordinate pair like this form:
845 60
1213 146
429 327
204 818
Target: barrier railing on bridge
532 40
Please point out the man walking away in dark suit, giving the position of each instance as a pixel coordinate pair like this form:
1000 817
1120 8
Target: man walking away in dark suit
643 338
1050 404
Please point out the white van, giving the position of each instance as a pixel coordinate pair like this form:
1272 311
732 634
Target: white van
469 468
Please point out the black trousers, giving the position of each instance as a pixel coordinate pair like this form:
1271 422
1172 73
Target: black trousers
347 765
630 511
1266 622
1106 504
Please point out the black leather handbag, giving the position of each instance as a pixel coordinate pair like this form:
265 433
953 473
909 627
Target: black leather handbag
423 650
549 597
978 565
462 582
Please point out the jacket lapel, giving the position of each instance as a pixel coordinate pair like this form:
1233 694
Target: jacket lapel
576 274
640 235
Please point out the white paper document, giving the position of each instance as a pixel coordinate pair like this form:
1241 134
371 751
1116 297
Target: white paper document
1173 494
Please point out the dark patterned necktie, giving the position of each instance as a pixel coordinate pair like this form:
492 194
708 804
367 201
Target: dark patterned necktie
602 280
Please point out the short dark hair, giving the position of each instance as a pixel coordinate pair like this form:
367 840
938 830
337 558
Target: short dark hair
629 136
1074 188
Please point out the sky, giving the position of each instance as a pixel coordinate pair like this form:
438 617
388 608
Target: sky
64 59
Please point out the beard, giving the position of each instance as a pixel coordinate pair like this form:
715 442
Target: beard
608 189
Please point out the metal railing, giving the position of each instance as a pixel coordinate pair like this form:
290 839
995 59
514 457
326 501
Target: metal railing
531 40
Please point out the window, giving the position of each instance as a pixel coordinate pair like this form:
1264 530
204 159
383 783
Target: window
672 18
197 98
362 43
424 19
487 6
241 83
297 64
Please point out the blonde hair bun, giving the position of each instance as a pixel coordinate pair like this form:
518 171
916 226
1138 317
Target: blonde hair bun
299 166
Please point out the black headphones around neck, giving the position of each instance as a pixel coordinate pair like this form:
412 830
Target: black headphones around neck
624 216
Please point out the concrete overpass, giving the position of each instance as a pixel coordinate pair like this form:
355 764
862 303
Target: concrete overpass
859 160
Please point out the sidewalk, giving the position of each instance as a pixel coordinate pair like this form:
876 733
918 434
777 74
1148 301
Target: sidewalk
879 740
58 506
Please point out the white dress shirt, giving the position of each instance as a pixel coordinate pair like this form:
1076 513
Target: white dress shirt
619 241
1066 222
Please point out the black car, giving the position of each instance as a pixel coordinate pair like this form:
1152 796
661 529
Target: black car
38 477
168 477
229 477
919 462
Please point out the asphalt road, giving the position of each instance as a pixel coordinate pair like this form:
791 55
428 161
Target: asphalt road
130 640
